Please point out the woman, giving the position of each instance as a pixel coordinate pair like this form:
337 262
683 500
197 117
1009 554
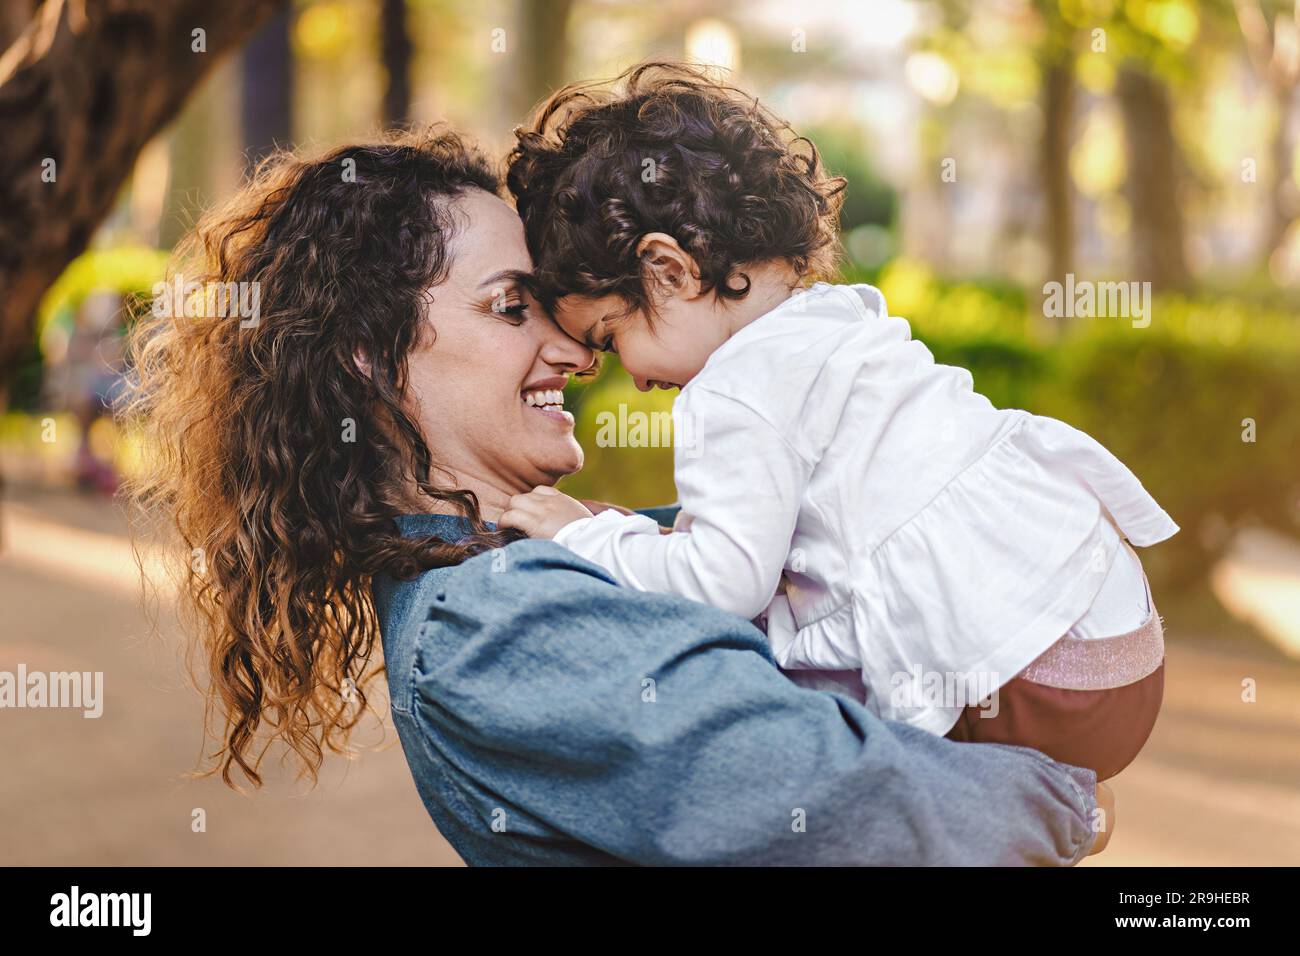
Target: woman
335 470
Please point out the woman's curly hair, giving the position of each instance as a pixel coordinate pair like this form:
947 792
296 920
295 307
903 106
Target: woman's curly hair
284 520
666 148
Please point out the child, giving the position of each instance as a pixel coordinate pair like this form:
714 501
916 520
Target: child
886 517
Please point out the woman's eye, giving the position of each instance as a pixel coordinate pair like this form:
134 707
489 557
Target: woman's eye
608 345
516 311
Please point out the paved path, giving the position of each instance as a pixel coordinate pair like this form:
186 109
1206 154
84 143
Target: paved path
112 790
1219 782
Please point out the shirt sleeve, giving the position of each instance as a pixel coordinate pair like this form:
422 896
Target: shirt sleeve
739 482
660 732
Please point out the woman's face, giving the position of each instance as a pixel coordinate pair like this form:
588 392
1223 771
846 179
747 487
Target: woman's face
487 383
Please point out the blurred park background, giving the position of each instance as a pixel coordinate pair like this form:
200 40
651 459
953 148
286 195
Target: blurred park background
990 147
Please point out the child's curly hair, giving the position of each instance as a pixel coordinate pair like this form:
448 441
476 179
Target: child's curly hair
665 148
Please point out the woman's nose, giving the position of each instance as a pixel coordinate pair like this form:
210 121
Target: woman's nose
560 350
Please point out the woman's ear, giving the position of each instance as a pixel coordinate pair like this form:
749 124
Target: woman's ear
668 267
362 363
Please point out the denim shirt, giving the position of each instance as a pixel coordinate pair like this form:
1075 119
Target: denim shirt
551 717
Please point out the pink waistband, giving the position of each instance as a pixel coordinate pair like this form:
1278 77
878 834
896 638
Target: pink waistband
1074 663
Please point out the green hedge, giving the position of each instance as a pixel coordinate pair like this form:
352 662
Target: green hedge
1175 407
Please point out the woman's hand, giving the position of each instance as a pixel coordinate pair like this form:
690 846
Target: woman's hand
542 512
1106 804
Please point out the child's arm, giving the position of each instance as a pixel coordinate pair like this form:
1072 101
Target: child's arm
544 511
739 480
596 507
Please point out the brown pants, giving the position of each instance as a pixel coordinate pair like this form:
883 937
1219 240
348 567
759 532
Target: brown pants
1102 730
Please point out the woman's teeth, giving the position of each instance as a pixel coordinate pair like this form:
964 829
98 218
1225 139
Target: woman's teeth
550 398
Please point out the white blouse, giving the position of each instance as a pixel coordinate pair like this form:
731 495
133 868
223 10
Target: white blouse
919 528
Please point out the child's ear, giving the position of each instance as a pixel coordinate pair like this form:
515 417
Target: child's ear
668 267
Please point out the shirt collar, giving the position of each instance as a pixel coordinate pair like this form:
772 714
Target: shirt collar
448 527
760 323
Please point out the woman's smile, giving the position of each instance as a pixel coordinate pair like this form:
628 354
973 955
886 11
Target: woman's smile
547 397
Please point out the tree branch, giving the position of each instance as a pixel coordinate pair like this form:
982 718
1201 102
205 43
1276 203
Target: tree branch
86 86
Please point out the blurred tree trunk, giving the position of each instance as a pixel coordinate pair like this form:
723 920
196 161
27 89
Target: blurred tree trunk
1282 208
1054 166
82 90
545 29
206 150
1157 231
14 17
1272 49
266 97
396 49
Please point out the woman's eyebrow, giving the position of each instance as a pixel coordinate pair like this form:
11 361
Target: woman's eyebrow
513 276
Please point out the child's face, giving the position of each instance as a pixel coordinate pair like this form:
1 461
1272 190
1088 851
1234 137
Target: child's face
666 355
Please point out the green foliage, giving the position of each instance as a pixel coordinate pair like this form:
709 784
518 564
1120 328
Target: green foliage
631 471
1176 401
130 270
29 377
868 199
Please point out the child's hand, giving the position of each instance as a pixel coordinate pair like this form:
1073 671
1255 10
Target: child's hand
542 512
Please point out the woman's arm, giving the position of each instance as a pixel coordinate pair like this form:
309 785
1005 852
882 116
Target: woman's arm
659 731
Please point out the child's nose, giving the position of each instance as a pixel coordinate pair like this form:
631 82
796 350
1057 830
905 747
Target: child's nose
642 385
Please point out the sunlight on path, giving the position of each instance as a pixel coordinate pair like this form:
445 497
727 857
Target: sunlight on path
115 791
76 555
1260 583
